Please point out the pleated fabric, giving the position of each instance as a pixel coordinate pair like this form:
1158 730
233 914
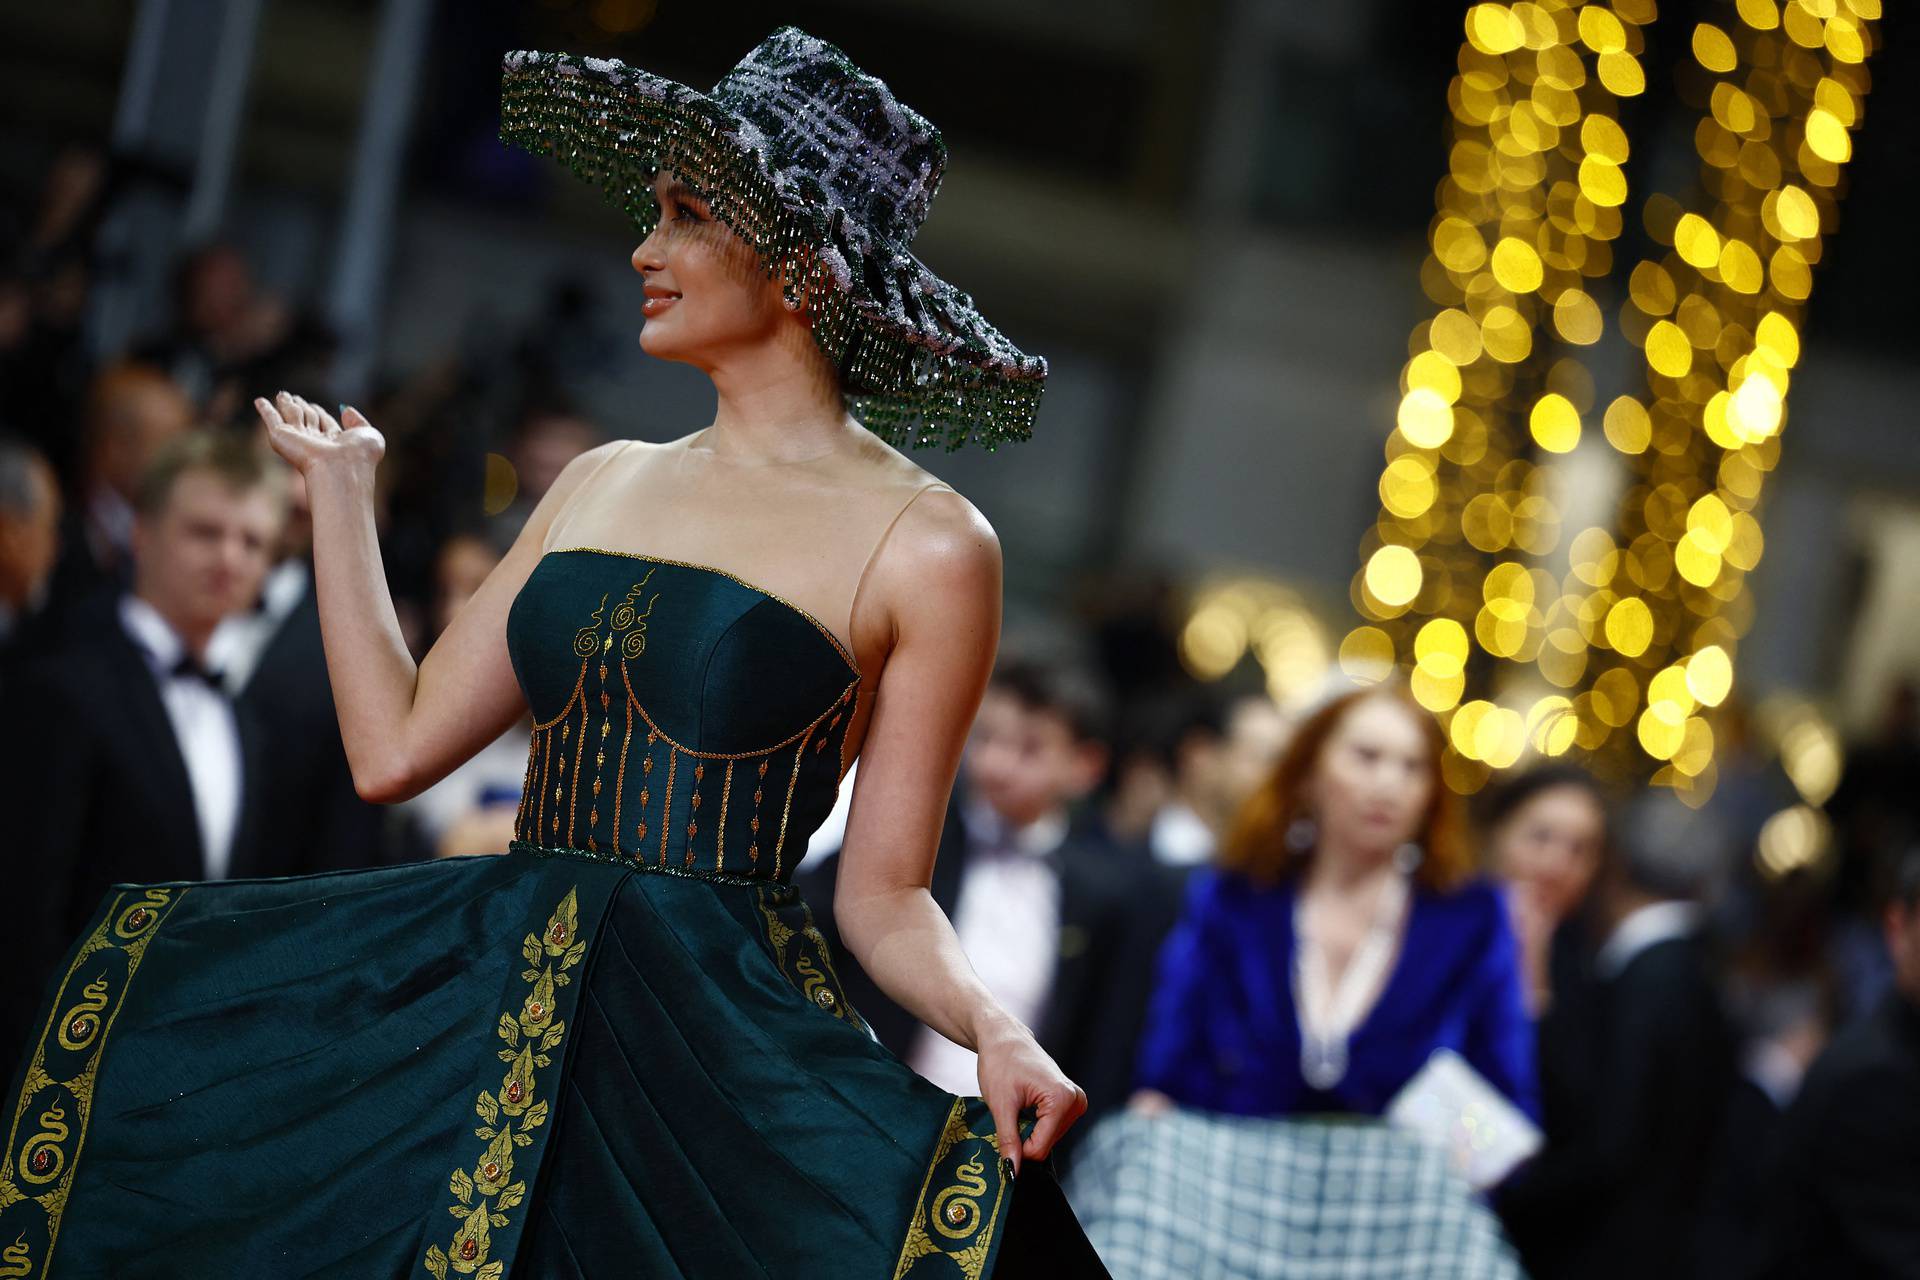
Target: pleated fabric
520 1066
718 1122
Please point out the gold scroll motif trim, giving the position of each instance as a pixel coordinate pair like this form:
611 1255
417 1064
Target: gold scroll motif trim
818 625
952 1217
803 957
56 1095
484 1196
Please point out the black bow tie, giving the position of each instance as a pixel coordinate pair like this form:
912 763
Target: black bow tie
192 666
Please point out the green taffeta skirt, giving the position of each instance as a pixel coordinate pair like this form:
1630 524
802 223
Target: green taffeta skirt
522 1066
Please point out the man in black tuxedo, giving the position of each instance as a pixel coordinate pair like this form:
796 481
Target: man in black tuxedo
122 758
1060 924
1846 1174
1622 1187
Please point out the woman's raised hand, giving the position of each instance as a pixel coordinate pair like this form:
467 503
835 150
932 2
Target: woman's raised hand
307 435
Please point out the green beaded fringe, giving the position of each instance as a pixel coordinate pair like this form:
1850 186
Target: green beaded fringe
903 391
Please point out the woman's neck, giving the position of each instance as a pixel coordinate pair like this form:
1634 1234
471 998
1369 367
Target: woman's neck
778 402
1341 870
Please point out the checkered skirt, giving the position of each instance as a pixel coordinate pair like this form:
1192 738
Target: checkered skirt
1192 1196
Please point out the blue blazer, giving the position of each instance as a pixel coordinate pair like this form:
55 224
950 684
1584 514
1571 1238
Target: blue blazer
1222 1033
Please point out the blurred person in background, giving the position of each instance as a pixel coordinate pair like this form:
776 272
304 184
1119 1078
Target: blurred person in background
1343 937
1141 778
45 285
1191 760
1340 942
1845 1175
125 759
132 410
1546 832
472 809
1626 1182
18 413
1875 811
545 440
29 541
221 323
1057 921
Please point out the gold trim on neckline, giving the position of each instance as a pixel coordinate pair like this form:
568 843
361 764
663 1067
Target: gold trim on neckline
822 627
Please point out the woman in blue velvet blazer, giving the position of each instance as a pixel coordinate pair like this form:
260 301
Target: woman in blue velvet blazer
1355 838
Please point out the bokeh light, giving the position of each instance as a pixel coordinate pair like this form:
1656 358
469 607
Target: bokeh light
1627 650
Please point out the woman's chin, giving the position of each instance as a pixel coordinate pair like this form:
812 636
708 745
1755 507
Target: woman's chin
657 344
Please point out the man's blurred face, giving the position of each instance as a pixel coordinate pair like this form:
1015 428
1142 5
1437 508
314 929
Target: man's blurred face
140 420
1903 941
30 541
206 553
1024 762
218 292
1257 732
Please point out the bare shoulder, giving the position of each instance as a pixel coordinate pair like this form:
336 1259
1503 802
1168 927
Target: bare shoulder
575 473
588 460
941 546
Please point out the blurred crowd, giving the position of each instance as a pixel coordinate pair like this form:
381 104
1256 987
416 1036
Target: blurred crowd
1205 904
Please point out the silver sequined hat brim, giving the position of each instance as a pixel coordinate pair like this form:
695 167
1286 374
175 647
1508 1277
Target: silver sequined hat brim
919 364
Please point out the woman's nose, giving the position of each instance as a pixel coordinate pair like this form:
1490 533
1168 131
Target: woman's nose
646 256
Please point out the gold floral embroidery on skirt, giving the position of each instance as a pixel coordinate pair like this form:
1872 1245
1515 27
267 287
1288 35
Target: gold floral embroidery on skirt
510 1114
56 1098
956 1222
800 952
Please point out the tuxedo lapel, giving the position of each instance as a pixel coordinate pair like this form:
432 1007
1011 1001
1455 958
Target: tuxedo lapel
152 753
1080 926
250 830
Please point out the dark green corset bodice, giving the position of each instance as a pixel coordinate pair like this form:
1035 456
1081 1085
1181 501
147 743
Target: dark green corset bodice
683 719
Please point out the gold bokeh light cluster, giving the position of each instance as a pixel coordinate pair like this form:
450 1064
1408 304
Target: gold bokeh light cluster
1622 653
1716 313
1236 616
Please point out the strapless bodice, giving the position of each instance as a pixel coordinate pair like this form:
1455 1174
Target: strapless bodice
683 718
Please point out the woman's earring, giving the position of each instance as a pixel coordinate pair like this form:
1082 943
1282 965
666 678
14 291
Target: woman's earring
1301 833
1406 859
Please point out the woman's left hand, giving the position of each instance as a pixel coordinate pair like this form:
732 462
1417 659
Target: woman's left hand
1015 1074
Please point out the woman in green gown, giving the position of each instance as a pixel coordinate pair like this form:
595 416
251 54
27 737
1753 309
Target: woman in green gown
620 1049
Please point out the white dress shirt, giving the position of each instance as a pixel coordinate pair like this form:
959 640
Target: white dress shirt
241 639
1642 928
1008 919
205 728
1179 837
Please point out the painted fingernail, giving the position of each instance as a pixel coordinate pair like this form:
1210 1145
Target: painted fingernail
1007 1171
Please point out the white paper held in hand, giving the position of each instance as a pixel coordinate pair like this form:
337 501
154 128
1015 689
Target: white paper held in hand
1452 1106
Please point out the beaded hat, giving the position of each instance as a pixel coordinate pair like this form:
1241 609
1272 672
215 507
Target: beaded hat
828 176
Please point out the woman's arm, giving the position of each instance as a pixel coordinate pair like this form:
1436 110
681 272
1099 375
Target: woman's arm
405 725
938 580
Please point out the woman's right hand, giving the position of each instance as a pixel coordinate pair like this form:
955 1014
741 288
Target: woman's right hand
307 436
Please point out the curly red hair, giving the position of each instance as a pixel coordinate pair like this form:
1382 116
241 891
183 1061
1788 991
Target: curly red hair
1256 845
